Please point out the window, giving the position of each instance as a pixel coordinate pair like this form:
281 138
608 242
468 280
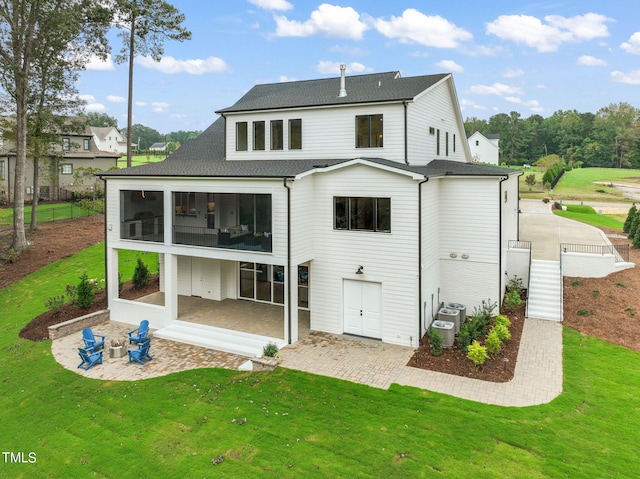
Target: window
432 130
86 143
262 282
66 144
477 142
241 136
446 143
66 169
2 172
295 134
277 134
369 131
258 135
438 143
454 142
362 213
185 203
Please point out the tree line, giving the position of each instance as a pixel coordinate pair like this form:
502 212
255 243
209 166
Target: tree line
610 138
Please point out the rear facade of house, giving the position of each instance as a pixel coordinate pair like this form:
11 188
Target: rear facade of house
346 205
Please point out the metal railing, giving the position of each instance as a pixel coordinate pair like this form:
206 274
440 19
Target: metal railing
213 238
620 251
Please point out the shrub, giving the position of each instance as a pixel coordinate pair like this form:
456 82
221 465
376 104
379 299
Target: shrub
477 353
501 319
482 315
141 275
435 341
512 299
576 282
466 335
493 342
633 211
54 302
85 293
271 351
583 312
502 332
72 293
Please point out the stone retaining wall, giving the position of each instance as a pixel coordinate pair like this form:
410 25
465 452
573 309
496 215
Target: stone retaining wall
78 324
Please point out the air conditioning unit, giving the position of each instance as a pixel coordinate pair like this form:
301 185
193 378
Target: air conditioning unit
451 315
445 328
462 309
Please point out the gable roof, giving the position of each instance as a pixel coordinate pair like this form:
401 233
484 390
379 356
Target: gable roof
101 132
372 88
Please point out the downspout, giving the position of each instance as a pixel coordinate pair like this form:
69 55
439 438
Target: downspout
500 275
406 136
287 277
420 309
106 268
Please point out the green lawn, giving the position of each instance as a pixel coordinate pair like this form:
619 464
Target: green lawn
586 214
581 184
46 212
298 424
137 160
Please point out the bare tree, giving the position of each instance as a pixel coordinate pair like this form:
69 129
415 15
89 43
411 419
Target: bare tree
145 25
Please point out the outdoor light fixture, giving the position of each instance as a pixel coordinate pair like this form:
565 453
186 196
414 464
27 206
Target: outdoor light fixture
360 270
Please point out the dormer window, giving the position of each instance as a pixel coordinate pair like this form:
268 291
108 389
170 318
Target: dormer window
295 134
241 136
369 131
86 144
277 135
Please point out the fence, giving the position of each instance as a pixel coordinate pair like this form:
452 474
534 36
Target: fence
620 251
53 212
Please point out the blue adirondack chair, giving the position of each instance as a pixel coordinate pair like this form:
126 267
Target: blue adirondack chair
141 353
140 333
89 358
91 339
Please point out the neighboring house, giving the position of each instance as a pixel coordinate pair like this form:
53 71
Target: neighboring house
160 146
347 205
108 138
73 150
485 148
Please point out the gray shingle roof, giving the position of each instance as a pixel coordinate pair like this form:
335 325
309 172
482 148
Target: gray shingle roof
208 145
378 87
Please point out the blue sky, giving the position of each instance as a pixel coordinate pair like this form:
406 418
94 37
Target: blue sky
532 57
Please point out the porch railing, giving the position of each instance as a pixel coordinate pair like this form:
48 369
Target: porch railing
620 251
144 229
215 238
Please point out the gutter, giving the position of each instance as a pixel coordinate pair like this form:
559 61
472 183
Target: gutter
106 269
406 145
288 273
500 203
420 260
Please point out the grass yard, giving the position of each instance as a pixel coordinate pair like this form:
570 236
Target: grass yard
586 214
46 212
298 424
137 160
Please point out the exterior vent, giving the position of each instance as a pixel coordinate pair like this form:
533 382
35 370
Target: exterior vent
343 87
451 315
445 328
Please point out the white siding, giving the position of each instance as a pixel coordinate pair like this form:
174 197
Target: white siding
326 133
509 206
388 258
434 109
302 201
430 250
486 151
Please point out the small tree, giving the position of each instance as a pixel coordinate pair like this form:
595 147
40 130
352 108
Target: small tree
530 180
85 293
634 226
140 275
633 211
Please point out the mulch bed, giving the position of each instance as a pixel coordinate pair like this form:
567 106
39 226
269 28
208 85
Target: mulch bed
454 361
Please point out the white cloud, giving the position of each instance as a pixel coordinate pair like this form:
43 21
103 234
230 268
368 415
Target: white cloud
510 73
178 116
631 78
95 107
327 67
141 103
96 64
499 89
547 37
428 30
328 20
159 106
193 67
284 78
116 99
272 4
633 45
590 61
450 66
533 105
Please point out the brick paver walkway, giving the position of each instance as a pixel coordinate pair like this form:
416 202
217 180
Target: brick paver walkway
537 379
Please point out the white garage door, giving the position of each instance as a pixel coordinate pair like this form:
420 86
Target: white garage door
362 308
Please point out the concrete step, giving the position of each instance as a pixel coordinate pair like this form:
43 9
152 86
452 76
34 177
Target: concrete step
545 292
236 342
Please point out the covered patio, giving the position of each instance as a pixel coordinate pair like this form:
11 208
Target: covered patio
235 314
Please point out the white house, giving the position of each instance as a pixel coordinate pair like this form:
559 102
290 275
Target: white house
485 148
345 205
108 138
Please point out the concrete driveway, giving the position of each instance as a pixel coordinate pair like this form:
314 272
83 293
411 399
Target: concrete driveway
546 231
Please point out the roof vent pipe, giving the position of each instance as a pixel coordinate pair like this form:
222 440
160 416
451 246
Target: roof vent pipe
343 88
